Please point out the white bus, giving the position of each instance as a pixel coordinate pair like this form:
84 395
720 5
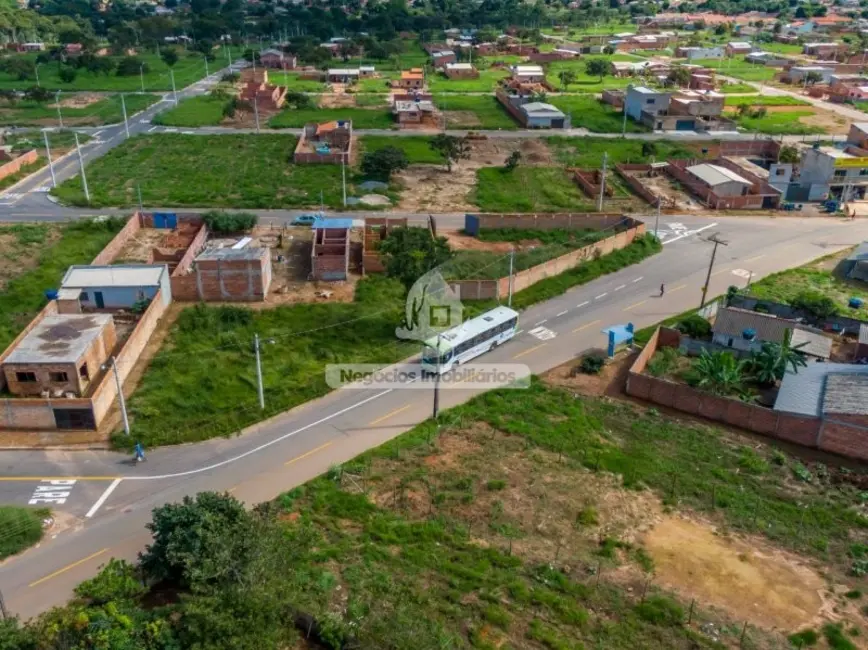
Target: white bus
469 340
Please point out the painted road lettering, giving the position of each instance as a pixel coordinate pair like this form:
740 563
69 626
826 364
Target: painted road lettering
56 492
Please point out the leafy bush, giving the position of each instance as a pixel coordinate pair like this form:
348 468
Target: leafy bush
587 516
382 163
495 484
118 581
663 362
592 364
694 326
834 633
804 638
815 303
661 610
226 222
22 528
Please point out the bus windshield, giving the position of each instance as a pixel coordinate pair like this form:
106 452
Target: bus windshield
429 355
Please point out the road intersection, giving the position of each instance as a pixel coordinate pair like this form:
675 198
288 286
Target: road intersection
110 501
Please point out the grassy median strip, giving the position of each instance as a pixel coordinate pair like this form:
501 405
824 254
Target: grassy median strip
105 111
21 528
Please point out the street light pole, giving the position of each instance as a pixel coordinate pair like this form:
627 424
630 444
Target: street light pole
511 266
259 372
174 92
121 402
256 112
437 382
207 74
602 183
624 121
142 76
36 70
657 218
50 162
716 240
124 109
81 164
57 103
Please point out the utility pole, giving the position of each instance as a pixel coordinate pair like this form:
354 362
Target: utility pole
657 218
50 162
511 266
142 76
437 382
36 70
57 103
624 121
81 164
256 111
259 372
3 611
124 109
174 92
139 192
121 401
602 182
207 74
344 177
716 240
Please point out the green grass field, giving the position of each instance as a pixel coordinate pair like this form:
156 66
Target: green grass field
782 48
474 111
739 68
363 118
528 189
590 113
41 254
23 172
22 528
765 100
487 82
105 111
202 110
188 69
738 88
784 123
294 83
588 152
243 171
381 84
585 83
415 147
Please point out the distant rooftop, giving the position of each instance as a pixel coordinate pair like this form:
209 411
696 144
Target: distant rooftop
808 392
715 174
127 275
249 253
62 338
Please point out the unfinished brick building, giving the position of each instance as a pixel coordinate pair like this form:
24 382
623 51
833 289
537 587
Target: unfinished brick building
256 90
326 143
330 254
376 230
219 274
60 356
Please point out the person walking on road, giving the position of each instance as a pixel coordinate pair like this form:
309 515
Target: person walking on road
139 453
662 289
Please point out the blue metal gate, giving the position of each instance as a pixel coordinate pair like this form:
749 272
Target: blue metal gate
165 220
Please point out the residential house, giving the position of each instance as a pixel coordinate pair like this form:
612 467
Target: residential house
695 53
441 58
641 100
61 355
342 75
738 48
119 286
531 114
835 392
858 134
747 330
798 74
768 58
855 267
326 143
461 71
413 79
824 51
825 171
720 180
528 73
273 58
415 112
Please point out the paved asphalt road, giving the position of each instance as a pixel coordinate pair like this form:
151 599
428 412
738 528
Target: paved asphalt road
293 447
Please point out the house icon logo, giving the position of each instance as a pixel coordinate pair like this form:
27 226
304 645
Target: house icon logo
432 307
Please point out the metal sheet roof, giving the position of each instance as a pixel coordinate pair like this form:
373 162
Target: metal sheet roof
846 394
716 175
128 275
731 321
62 338
341 224
803 393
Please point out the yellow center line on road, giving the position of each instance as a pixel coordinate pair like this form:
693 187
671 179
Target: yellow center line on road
389 415
641 302
528 351
309 453
587 325
59 478
680 286
67 568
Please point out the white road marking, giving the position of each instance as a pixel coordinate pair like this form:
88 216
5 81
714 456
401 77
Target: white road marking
105 495
265 445
540 322
144 121
602 295
621 287
690 232
188 132
151 129
742 273
563 312
56 492
582 304
97 133
43 188
637 279
542 333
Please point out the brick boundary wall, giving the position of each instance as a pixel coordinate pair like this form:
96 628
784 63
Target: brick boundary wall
16 164
38 413
474 223
845 435
677 169
503 98
116 245
635 185
588 180
195 247
484 289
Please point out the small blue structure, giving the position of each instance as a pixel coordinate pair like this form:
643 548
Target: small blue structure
618 334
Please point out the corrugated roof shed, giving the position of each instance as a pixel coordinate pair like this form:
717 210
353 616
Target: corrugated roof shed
61 338
802 392
716 175
731 321
814 344
128 275
846 394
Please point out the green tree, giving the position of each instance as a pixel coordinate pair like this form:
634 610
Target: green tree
815 303
67 74
382 163
21 69
38 94
789 154
512 162
770 363
409 253
567 77
719 372
649 149
130 66
169 56
199 542
452 148
813 77
680 76
598 68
